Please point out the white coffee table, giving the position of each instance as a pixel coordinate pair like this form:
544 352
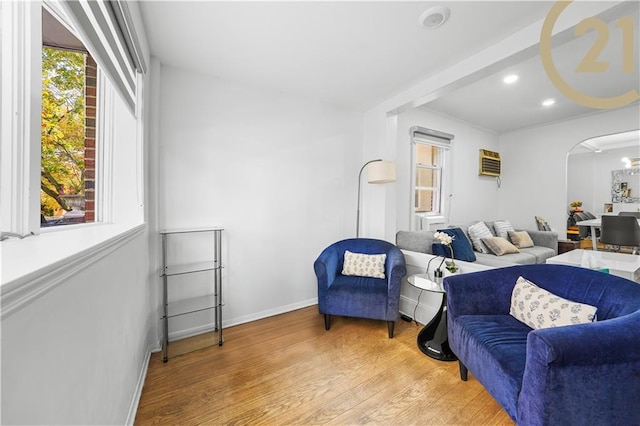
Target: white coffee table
620 264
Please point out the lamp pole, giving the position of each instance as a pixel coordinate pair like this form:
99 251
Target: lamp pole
359 185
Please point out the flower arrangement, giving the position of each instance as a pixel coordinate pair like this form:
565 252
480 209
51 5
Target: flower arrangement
446 239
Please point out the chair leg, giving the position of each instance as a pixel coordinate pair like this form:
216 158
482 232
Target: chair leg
463 371
390 326
327 321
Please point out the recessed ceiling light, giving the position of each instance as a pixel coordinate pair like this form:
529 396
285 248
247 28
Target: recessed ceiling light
434 17
511 78
548 102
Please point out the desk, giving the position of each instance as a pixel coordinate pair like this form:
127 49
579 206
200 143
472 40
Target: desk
433 340
594 224
620 264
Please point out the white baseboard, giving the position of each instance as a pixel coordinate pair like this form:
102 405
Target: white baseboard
271 312
206 328
135 400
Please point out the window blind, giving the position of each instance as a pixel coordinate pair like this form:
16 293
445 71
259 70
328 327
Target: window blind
431 137
108 32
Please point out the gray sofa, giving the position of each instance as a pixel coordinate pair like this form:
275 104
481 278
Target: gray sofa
545 246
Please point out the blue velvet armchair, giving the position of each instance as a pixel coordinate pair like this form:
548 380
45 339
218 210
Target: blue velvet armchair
355 296
567 375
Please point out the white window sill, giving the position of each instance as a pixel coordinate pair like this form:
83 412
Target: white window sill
34 265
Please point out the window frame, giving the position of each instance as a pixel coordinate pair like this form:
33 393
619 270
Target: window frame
443 143
21 102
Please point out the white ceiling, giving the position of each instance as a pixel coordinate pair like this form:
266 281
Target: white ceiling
356 54
351 54
499 107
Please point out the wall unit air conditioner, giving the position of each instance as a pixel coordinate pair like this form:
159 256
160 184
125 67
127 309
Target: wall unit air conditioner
489 163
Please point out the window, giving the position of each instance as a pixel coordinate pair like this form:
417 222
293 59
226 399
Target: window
69 90
428 178
71 127
430 157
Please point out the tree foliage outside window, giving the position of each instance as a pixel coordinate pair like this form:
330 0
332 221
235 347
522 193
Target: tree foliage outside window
63 128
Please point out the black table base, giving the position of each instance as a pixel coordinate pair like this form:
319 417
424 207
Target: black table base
433 340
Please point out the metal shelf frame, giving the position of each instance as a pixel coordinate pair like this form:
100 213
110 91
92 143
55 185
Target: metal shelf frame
213 301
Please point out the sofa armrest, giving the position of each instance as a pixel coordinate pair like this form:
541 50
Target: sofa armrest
612 341
544 239
326 267
419 241
395 268
586 373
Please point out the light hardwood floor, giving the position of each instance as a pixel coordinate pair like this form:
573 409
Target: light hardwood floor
288 370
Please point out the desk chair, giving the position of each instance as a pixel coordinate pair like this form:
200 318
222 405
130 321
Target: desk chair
634 214
620 231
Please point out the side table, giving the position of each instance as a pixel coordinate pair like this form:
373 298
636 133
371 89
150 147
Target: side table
433 340
567 245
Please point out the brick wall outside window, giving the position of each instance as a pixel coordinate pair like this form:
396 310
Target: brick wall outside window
91 74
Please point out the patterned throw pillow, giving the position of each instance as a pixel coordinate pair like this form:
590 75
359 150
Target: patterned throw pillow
364 265
499 246
476 233
538 308
520 239
502 228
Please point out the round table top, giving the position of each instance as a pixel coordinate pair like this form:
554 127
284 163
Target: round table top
425 282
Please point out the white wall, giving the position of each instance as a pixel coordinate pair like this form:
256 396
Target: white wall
277 172
74 355
535 165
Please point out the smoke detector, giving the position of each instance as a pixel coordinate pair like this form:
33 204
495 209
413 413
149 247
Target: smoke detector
434 17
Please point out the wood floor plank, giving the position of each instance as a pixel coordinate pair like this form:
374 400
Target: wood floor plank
287 369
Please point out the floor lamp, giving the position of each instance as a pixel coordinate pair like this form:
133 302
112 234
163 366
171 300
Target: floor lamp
380 171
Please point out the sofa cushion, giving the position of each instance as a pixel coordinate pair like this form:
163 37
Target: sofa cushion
539 308
502 261
364 265
462 249
499 246
502 228
540 254
494 350
477 232
366 296
520 239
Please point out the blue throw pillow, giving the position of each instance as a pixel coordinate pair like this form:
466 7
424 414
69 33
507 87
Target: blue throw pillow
462 249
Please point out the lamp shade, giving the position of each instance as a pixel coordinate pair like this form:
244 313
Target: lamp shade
381 172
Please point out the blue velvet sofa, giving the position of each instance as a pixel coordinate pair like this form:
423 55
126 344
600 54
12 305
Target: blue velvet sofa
355 296
585 374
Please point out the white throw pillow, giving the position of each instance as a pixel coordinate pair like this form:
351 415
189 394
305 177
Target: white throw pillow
476 233
538 308
502 228
364 265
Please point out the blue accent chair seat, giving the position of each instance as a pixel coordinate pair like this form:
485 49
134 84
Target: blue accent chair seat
355 296
586 374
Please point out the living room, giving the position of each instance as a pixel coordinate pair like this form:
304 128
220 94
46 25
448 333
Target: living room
278 171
